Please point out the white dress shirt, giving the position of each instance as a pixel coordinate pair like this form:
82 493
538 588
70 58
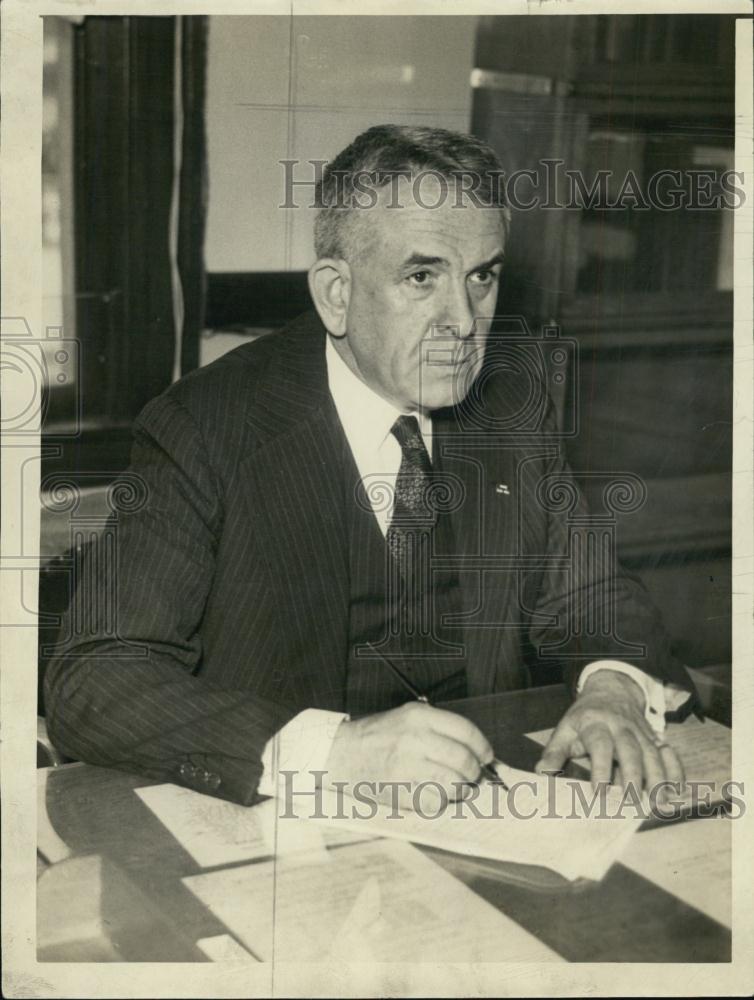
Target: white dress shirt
303 744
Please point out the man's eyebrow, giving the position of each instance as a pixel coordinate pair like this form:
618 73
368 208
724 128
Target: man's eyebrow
488 264
420 260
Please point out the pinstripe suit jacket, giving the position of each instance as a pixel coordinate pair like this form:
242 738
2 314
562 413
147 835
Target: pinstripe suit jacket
231 582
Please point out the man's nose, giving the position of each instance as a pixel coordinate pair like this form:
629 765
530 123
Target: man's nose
456 318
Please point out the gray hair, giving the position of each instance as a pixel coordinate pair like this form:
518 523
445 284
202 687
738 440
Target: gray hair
385 152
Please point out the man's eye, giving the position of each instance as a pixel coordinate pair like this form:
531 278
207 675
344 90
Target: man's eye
420 278
483 277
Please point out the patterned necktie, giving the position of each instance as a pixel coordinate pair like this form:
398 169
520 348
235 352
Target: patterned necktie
413 513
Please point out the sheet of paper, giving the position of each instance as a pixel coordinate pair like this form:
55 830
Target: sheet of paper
691 860
224 948
379 901
538 821
215 832
49 844
703 747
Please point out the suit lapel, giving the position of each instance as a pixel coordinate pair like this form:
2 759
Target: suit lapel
294 487
293 484
484 526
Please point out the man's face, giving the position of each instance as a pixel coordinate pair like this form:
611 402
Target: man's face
423 291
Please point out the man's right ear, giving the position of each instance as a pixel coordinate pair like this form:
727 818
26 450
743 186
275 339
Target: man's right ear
330 288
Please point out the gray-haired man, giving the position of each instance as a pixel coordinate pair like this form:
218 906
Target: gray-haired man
290 545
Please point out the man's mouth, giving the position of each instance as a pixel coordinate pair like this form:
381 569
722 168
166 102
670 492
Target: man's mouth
446 357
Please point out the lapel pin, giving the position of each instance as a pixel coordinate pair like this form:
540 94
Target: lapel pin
503 489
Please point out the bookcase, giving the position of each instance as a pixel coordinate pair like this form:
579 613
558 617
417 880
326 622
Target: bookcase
622 237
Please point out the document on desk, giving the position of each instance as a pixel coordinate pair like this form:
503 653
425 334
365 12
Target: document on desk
690 860
216 832
703 747
540 821
377 901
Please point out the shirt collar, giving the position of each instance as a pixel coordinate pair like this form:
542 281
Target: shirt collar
366 417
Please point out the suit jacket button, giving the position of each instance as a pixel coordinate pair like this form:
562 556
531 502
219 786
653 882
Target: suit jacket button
214 781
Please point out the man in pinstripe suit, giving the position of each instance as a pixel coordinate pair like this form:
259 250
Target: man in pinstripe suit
273 569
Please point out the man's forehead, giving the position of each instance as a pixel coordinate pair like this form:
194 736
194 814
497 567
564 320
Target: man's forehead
429 190
432 210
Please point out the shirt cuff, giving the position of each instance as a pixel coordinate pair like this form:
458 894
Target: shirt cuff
302 746
659 697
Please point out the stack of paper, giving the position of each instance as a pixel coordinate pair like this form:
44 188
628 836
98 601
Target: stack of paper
691 860
215 832
553 823
379 901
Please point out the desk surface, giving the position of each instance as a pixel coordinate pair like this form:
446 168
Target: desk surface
91 811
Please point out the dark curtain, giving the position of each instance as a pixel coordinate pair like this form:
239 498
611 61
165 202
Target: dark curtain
193 186
128 125
127 122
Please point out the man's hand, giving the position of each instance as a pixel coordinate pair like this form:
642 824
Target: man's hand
606 723
414 743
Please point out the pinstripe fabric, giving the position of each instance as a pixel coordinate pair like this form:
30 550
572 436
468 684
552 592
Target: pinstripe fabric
400 618
231 586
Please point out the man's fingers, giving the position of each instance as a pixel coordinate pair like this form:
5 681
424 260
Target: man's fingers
672 764
557 751
577 748
598 743
450 754
629 755
449 724
661 762
654 770
433 793
439 777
